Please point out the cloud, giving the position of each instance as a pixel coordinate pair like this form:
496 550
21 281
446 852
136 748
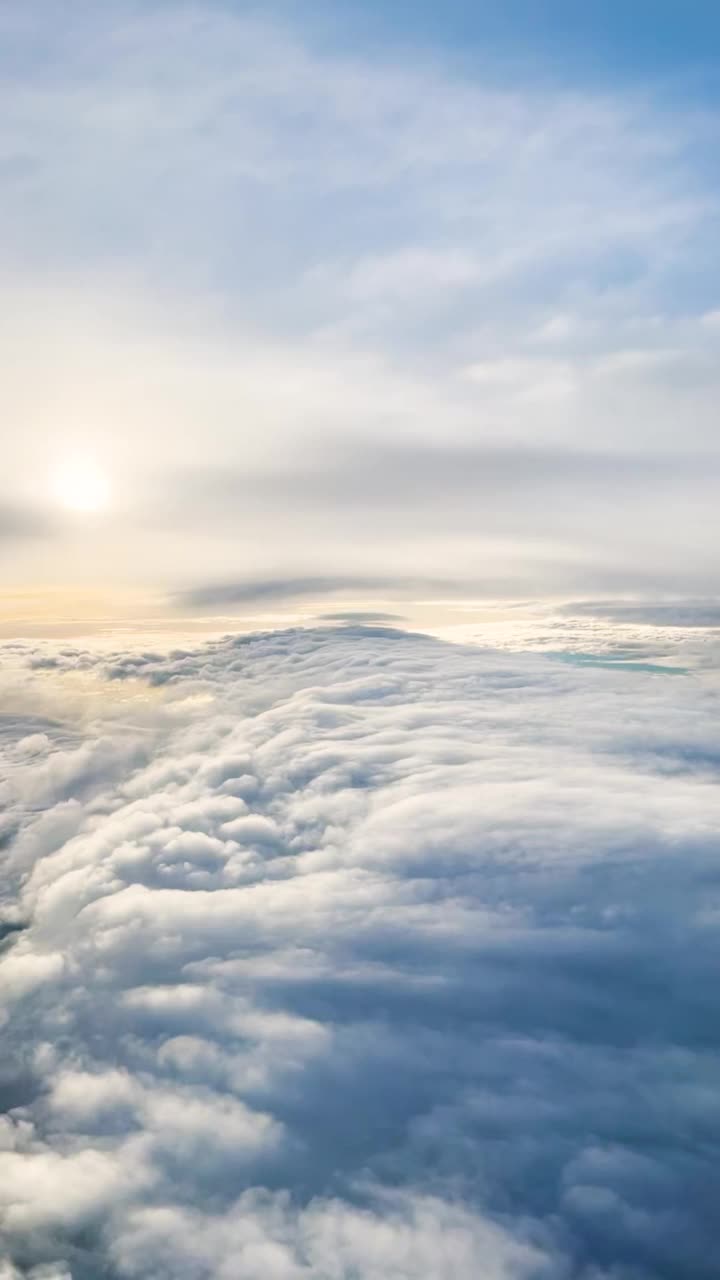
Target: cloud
653 613
360 617
347 952
19 521
492 519
265 1235
257 590
479 482
222 121
506 305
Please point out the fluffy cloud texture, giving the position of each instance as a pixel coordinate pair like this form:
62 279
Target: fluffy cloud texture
352 955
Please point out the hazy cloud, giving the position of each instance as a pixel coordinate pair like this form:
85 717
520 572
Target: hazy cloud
360 616
301 298
653 613
19 522
251 591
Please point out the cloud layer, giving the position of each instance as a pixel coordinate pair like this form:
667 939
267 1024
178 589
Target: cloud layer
350 954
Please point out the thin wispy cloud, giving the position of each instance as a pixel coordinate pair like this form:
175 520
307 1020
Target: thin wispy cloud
226 241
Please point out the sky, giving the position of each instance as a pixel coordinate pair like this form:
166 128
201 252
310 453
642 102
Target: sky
359 640
414 296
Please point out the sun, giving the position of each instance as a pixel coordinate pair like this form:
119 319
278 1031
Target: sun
80 484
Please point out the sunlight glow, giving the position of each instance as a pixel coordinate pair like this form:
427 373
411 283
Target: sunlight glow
81 485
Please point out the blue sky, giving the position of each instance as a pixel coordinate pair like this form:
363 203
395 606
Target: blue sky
604 40
262 267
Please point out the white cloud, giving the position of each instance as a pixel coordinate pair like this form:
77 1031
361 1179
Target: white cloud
384 958
266 1236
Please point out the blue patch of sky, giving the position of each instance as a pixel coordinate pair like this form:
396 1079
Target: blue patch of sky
578 40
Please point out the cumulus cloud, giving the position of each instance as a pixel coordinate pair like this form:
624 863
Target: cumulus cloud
350 953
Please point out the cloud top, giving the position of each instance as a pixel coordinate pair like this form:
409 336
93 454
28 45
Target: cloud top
344 953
